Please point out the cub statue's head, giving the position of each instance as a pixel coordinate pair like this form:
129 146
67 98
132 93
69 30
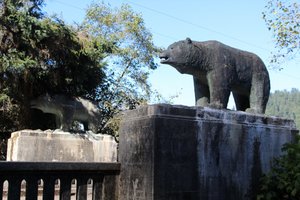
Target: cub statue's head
44 103
178 55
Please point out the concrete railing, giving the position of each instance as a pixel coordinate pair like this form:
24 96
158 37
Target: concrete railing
58 180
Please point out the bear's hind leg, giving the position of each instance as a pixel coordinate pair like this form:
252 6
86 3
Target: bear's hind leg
219 98
92 126
241 101
259 94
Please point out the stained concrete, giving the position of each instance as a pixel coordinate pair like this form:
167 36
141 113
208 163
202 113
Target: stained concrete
191 153
37 145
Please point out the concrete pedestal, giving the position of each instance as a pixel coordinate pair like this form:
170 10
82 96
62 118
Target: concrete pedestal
29 145
186 153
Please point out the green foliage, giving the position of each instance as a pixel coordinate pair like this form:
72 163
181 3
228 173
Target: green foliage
285 104
283 19
129 60
283 181
8 115
133 52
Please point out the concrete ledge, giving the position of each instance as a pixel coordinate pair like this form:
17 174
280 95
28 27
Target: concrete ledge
37 145
182 153
208 114
105 167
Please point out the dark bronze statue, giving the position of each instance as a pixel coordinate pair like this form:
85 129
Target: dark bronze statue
218 70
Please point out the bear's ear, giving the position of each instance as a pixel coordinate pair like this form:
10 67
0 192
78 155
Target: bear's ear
189 41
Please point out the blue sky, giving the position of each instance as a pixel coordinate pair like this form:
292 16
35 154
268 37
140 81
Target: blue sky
237 23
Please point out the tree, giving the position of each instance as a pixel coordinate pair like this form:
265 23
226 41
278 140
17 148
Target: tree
40 55
283 19
106 59
130 60
285 104
283 180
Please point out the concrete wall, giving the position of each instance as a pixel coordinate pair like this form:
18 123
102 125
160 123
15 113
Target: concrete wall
186 153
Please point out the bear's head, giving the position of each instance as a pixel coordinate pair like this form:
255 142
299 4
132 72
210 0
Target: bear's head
41 102
179 55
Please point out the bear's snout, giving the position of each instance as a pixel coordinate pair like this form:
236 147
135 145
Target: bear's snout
164 58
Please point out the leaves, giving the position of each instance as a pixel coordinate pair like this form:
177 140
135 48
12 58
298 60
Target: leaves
133 47
130 59
283 19
282 182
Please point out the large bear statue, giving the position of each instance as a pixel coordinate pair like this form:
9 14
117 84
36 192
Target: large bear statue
219 69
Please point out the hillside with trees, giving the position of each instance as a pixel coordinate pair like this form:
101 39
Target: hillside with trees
285 104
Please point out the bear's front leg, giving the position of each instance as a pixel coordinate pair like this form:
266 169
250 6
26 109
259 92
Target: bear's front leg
58 121
219 90
201 92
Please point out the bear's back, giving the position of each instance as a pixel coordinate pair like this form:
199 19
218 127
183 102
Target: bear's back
224 54
241 63
215 46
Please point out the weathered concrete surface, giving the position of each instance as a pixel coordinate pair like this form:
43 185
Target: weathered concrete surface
37 145
186 153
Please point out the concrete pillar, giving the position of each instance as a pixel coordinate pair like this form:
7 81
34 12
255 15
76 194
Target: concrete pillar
191 153
37 145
